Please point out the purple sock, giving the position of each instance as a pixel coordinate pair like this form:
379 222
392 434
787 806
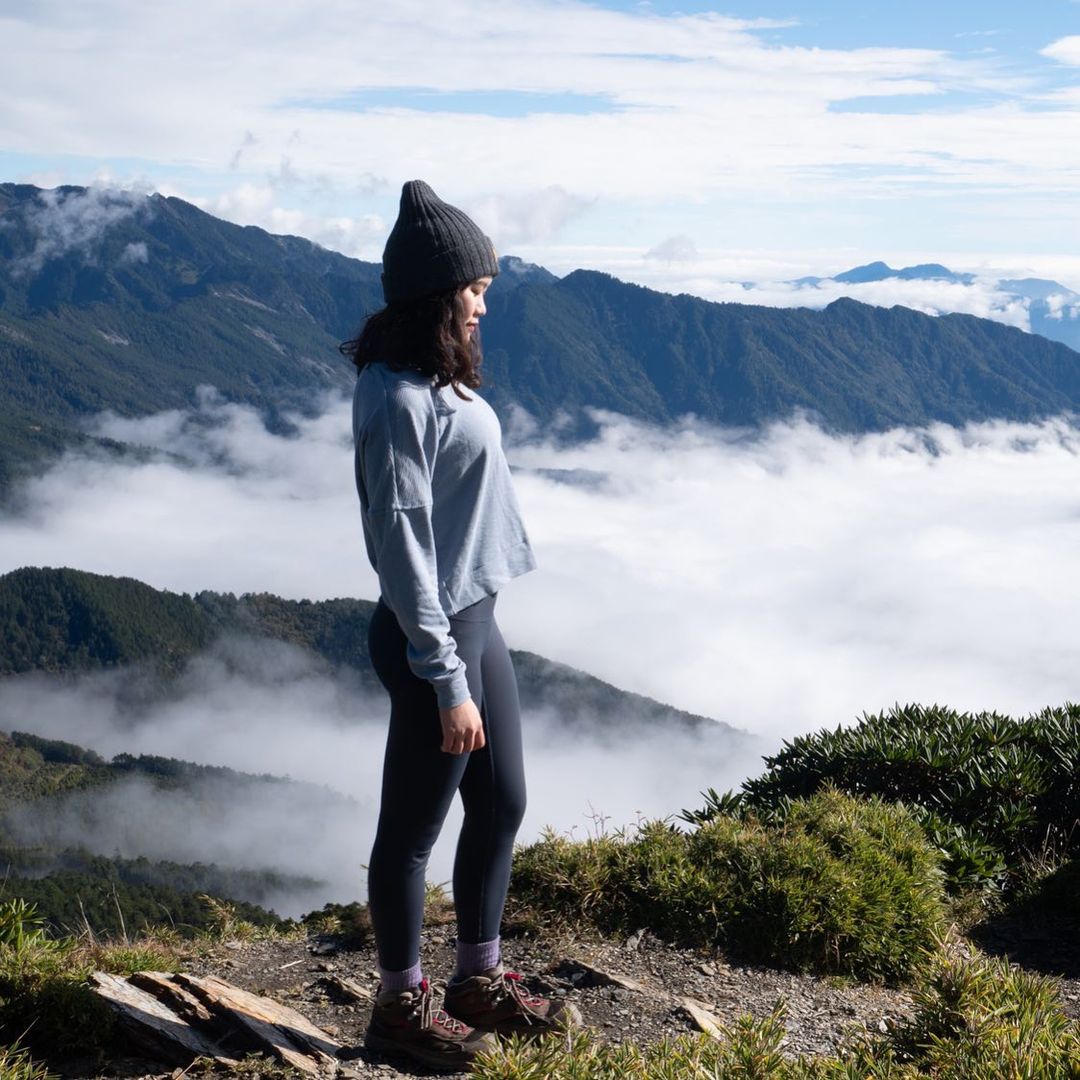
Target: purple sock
396 981
478 958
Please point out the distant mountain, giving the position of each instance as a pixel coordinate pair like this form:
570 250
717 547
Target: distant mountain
44 782
590 340
1053 308
63 620
514 272
110 300
879 271
128 303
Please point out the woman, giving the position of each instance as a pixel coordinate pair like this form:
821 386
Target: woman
444 533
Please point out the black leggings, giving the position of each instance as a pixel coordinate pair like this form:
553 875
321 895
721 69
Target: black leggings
419 782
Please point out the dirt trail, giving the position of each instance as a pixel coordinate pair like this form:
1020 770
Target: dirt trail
331 984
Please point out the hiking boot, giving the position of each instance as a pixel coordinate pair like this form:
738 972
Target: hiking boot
496 1001
407 1023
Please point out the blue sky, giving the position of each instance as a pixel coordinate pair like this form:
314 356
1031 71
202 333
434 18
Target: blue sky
680 144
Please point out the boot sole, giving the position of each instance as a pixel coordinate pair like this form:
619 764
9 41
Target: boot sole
432 1059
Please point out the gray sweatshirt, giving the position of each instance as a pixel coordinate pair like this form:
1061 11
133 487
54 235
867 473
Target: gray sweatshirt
442 525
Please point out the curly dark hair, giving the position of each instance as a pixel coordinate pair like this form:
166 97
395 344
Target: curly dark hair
426 335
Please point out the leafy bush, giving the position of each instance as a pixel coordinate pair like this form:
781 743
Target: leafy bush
984 1019
840 885
749 1050
989 790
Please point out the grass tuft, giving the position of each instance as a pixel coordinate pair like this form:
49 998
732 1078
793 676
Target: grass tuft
17 1064
44 994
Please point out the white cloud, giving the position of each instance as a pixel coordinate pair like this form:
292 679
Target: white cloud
268 708
529 217
76 221
1065 50
135 253
696 105
1061 307
674 249
257 204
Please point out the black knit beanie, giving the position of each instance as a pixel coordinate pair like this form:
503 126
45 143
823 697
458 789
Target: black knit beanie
433 246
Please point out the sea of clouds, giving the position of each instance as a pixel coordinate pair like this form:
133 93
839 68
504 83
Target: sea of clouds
781 580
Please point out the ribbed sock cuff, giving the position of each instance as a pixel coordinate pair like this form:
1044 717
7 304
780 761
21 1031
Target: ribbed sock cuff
397 981
474 959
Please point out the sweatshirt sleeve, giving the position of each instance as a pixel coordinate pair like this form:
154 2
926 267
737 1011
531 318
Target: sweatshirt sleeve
395 456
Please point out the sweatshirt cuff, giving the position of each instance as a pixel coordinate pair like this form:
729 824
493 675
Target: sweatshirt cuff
454 690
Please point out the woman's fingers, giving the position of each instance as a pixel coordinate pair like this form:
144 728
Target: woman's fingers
463 729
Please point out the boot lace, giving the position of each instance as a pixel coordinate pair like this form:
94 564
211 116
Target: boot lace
430 1017
510 985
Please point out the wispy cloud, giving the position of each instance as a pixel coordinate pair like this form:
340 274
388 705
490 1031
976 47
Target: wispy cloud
704 104
529 217
76 221
674 249
268 708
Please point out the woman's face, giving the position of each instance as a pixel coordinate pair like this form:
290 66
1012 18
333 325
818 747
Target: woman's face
472 301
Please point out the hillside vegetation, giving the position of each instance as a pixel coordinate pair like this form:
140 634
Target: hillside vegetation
73 889
996 795
591 340
63 620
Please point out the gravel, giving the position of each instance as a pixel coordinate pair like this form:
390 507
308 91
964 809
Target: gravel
332 984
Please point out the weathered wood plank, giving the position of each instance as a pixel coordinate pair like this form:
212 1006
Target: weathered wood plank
286 1033
172 995
347 989
151 1024
704 1019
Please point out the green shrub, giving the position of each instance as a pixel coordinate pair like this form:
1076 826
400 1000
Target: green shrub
750 1050
985 1019
841 885
43 991
989 790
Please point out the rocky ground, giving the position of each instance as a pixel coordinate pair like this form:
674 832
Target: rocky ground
667 991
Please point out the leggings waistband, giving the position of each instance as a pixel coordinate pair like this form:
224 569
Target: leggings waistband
482 611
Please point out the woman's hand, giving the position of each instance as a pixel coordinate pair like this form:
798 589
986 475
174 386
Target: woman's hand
463 730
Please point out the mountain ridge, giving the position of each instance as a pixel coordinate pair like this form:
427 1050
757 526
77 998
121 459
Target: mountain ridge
63 621
129 303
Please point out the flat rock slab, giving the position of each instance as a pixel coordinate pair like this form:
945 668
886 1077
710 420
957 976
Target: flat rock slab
179 1017
582 973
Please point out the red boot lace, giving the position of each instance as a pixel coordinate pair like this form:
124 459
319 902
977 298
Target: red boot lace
512 984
